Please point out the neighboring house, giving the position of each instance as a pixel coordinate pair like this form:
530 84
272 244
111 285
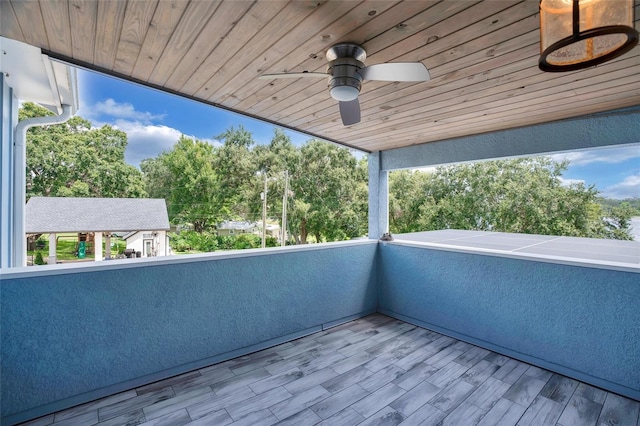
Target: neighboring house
148 243
273 230
230 227
99 216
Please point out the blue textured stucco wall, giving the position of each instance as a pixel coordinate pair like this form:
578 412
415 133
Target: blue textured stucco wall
66 336
580 321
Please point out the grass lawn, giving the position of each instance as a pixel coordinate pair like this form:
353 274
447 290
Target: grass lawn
66 247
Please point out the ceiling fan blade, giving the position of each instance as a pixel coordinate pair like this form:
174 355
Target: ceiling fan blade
396 71
350 112
292 75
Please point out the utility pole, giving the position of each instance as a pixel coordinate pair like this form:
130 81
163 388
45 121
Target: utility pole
285 199
264 212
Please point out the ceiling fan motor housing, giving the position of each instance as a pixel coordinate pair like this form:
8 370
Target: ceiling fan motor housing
345 60
344 73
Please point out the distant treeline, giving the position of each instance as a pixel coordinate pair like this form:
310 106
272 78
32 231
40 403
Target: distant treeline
608 204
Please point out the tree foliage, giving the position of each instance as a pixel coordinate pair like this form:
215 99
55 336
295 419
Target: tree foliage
272 161
186 178
618 221
207 241
39 260
633 203
329 187
235 167
74 160
204 185
519 196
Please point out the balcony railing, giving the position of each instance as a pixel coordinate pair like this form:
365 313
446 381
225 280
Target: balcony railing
71 335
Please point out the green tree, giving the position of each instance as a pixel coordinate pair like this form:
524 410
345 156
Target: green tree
235 171
273 160
280 155
329 194
406 199
520 195
185 176
39 260
74 160
609 203
618 221
203 185
157 177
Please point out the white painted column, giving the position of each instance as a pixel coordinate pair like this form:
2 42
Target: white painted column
52 249
107 247
378 197
97 246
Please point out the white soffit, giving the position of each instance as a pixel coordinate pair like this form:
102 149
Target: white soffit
35 78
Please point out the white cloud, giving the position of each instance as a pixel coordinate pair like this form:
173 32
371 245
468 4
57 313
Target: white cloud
117 110
600 155
146 140
628 188
149 140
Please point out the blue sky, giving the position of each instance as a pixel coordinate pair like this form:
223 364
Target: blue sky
154 121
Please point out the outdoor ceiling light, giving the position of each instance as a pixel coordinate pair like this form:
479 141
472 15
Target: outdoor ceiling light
344 93
577 34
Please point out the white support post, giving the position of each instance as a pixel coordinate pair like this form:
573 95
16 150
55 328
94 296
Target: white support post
378 197
107 246
264 212
97 246
52 248
285 201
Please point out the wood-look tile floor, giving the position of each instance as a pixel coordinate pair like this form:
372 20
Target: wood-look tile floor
373 371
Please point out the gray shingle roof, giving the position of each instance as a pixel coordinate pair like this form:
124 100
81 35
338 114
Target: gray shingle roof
62 214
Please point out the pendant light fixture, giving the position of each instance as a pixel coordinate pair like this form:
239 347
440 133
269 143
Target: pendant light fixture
577 34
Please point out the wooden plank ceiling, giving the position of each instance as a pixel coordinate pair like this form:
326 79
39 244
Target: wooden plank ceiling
482 56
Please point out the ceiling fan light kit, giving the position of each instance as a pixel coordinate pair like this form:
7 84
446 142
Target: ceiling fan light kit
345 62
346 70
344 93
577 34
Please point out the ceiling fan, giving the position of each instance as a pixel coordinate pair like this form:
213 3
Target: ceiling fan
346 71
